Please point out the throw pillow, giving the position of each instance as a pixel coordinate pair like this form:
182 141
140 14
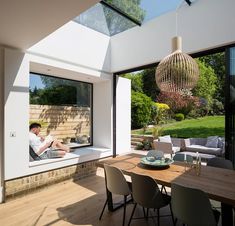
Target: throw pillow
212 142
166 139
221 142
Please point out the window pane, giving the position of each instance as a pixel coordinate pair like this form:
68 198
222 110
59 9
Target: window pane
63 108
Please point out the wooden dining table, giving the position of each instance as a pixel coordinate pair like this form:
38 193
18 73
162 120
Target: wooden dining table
217 183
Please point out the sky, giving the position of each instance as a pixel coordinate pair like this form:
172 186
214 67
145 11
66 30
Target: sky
155 8
34 80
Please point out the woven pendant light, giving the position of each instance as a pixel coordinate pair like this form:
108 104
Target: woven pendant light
177 71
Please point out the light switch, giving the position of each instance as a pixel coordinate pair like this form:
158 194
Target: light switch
13 134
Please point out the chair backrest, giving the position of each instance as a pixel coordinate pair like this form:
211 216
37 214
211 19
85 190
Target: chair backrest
115 181
155 153
166 147
145 191
191 206
220 163
180 158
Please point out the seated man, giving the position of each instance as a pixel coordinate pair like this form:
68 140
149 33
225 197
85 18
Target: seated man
45 148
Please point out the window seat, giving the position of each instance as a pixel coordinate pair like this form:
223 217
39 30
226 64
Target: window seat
77 155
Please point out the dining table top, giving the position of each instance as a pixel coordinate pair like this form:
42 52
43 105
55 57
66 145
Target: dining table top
217 183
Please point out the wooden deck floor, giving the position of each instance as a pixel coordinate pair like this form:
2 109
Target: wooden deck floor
68 203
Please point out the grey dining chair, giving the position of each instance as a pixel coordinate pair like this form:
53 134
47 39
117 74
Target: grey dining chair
220 163
157 154
146 193
180 158
192 207
116 184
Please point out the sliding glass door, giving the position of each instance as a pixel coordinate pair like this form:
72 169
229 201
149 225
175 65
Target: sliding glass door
230 104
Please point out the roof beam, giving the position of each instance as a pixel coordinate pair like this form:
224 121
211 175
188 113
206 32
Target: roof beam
188 2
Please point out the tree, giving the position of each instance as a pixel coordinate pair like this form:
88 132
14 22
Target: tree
136 81
150 87
217 63
207 83
58 91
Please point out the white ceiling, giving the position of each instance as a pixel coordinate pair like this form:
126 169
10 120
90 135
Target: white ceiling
25 22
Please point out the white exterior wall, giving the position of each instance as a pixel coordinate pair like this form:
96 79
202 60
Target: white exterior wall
1 122
78 45
102 114
16 111
123 115
206 24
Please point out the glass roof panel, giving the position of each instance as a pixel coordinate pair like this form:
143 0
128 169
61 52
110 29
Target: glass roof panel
94 18
104 20
110 17
144 10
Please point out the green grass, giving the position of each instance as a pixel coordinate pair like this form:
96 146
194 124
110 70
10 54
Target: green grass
200 127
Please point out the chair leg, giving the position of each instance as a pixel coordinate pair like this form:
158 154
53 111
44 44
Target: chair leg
163 188
124 211
158 217
147 216
144 212
132 214
172 216
103 209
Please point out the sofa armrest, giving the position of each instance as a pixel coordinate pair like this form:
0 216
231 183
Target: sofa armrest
187 142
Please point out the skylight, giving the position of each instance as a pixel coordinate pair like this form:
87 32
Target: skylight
111 17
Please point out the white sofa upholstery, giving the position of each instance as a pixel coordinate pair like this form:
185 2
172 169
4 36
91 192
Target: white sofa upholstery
201 145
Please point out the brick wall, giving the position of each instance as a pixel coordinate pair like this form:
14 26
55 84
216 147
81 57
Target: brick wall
62 121
28 184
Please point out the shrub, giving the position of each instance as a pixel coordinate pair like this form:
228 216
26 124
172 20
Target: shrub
162 113
179 117
157 131
179 102
217 107
141 110
139 146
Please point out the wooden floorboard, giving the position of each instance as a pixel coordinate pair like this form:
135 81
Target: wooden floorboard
68 203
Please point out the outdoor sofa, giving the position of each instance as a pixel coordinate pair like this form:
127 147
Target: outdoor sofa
212 145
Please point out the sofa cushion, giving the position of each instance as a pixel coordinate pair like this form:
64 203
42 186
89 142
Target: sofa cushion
212 142
221 142
175 149
166 139
204 149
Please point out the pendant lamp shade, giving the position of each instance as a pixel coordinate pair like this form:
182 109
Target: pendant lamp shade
177 71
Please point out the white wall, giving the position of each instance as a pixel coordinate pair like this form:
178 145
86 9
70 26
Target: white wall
102 114
204 25
17 67
1 122
76 44
16 112
123 115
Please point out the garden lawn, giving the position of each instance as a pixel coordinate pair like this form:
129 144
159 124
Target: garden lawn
200 127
